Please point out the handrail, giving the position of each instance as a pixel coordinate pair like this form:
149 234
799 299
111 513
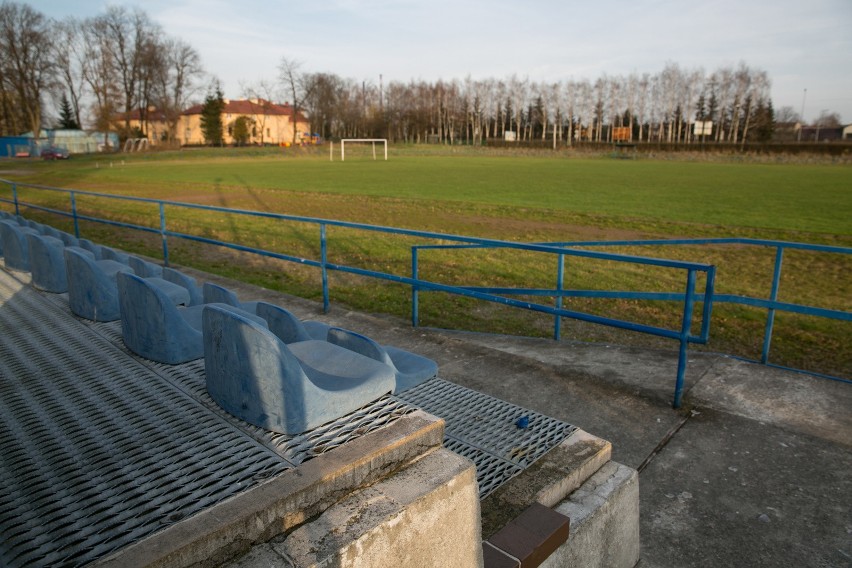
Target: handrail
689 297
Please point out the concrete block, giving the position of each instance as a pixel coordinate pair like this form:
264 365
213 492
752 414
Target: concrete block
427 514
604 515
548 481
231 528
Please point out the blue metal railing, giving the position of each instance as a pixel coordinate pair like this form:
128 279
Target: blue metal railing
771 304
689 297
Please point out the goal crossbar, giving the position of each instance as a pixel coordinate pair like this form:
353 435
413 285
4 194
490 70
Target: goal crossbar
363 140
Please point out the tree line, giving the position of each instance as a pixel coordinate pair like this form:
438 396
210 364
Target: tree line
651 107
114 64
121 63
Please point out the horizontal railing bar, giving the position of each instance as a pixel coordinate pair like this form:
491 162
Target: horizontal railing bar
666 242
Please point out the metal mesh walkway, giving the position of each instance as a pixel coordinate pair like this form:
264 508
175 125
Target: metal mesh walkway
100 448
97 450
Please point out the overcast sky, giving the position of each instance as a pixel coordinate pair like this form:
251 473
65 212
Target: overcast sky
801 44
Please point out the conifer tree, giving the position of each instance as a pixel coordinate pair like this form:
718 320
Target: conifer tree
66 115
211 117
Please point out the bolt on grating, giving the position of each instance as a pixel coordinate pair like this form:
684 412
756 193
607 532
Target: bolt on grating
96 451
496 428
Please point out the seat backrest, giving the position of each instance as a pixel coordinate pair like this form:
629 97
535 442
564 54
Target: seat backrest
282 323
47 263
215 294
188 282
144 268
250 372
144 309
92 293
359 344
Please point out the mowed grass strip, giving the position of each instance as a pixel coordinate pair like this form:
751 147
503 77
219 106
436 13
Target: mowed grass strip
518 198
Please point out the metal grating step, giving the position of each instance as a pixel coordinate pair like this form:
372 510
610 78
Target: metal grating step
97 451
485 428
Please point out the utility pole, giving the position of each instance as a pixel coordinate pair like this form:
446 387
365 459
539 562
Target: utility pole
802 115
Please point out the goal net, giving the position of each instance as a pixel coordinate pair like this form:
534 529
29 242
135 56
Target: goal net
371 143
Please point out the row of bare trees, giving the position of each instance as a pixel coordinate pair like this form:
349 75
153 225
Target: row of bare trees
116 63
658 107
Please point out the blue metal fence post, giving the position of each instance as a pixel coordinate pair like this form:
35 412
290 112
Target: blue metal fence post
560 276
74 215
688 307
326 302
773 296
415 290
15 198
163 233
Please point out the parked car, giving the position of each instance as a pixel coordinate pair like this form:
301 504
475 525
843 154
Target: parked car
54 153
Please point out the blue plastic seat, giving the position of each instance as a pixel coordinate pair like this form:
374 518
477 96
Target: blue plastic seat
213 293
69 239
16 248
108 253
288 327
144 268
92 248
254 376
153 327
409 368
47 263
196 297
92 288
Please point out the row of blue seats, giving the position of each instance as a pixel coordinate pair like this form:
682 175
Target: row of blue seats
262 363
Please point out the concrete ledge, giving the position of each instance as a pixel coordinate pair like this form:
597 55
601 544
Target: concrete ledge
427 514
548 481
604 515
284 502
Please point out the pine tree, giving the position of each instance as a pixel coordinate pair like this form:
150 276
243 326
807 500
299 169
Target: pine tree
211 117
66 115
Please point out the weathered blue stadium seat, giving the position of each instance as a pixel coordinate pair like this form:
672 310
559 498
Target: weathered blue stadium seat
153 327
213 293
47 263
196 297
108 253
92 248
69 239
50 231
16 249
144 268
288 389
288 327
409 368
92 289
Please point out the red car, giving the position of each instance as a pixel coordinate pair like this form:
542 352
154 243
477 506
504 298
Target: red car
54 153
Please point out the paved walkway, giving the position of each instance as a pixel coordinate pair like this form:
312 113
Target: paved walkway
754 470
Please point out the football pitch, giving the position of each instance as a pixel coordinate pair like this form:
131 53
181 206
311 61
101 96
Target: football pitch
533 197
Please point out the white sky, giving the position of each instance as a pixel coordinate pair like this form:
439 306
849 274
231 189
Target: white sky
801 44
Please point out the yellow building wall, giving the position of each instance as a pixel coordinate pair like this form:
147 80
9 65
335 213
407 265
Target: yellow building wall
270 129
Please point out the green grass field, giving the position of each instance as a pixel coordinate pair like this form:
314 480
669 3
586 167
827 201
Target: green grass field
538 197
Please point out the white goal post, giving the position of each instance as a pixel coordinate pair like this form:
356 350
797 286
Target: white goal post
363 140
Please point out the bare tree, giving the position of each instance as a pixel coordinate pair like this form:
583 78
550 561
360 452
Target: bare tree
69 55
27 66
177 80
299 86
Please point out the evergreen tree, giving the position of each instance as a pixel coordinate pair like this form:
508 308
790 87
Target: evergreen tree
211 117
66 115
